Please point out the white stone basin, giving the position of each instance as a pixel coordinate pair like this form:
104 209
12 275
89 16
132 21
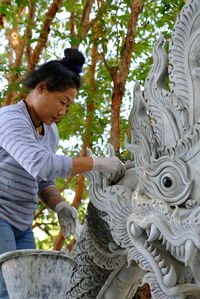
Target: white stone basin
41 274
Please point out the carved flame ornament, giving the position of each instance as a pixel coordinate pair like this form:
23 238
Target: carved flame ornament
147 226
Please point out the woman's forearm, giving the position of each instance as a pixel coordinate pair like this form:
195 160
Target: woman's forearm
50 197
81 164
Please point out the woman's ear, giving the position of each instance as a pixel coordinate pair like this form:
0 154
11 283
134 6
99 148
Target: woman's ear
41 87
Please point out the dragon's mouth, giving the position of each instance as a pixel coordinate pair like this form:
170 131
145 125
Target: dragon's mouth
174 264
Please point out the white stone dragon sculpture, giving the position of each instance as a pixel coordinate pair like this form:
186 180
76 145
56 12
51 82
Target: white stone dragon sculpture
147 226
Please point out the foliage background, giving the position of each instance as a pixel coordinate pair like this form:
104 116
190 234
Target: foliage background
117 38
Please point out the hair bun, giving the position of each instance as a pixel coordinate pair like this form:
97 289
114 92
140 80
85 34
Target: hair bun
73 59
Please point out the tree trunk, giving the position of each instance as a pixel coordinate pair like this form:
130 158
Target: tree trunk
119 74
115 116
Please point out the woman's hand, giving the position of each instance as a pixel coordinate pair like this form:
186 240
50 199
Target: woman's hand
67 217
112 166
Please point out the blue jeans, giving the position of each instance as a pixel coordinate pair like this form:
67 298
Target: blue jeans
11 239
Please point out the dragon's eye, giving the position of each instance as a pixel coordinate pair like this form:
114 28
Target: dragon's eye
168 179
167 182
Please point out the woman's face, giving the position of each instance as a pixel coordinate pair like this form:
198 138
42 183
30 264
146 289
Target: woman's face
50 106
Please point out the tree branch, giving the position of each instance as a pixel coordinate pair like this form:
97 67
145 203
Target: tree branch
85 19
72 24
50 15
136 9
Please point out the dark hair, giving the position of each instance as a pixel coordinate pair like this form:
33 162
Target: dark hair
59 75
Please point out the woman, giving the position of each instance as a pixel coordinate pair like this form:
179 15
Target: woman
28 162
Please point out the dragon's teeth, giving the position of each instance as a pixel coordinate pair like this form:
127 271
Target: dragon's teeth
190 251
168 245
157 258
164 241
165 270
161 263
170 279
154 252
154 233
182 250
177 251
173 249
135 230
148 232
150 248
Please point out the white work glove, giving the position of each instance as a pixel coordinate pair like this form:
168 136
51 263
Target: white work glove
112 166
67 217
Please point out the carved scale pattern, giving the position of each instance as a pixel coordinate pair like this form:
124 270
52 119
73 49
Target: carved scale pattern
93 257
